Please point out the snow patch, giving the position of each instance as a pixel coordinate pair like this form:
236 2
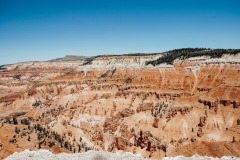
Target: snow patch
90 155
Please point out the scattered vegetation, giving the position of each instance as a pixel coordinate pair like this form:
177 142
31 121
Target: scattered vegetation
184 53
104 74
113 72
159 109
2 68
130 54
17 77
17 130
25 121
128 80
88 61
37 103
15 122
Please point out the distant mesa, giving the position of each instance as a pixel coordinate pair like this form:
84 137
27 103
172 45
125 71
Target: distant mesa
70 58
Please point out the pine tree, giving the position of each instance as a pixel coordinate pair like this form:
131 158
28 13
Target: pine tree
17 130
15 122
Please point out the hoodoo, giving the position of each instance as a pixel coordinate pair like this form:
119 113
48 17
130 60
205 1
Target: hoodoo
180 102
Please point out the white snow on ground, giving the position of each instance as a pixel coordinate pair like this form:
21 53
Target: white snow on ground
90 155
98 155
197 157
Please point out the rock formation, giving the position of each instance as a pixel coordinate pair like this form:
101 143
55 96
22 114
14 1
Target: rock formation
156 105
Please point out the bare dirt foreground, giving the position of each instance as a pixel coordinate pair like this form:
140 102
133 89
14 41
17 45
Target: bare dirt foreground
182 102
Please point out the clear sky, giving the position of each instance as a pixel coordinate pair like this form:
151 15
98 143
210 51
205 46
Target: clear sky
46 29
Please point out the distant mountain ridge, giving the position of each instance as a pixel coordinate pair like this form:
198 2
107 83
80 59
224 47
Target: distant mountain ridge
168 56
71 58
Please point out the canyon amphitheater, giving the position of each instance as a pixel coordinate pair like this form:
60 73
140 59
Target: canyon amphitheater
181 102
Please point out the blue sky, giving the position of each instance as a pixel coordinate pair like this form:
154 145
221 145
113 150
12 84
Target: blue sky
46 29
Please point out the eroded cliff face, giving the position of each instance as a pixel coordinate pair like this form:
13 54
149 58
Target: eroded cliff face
119 104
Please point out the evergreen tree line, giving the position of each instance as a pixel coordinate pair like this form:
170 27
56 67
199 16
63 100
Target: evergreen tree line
185 53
